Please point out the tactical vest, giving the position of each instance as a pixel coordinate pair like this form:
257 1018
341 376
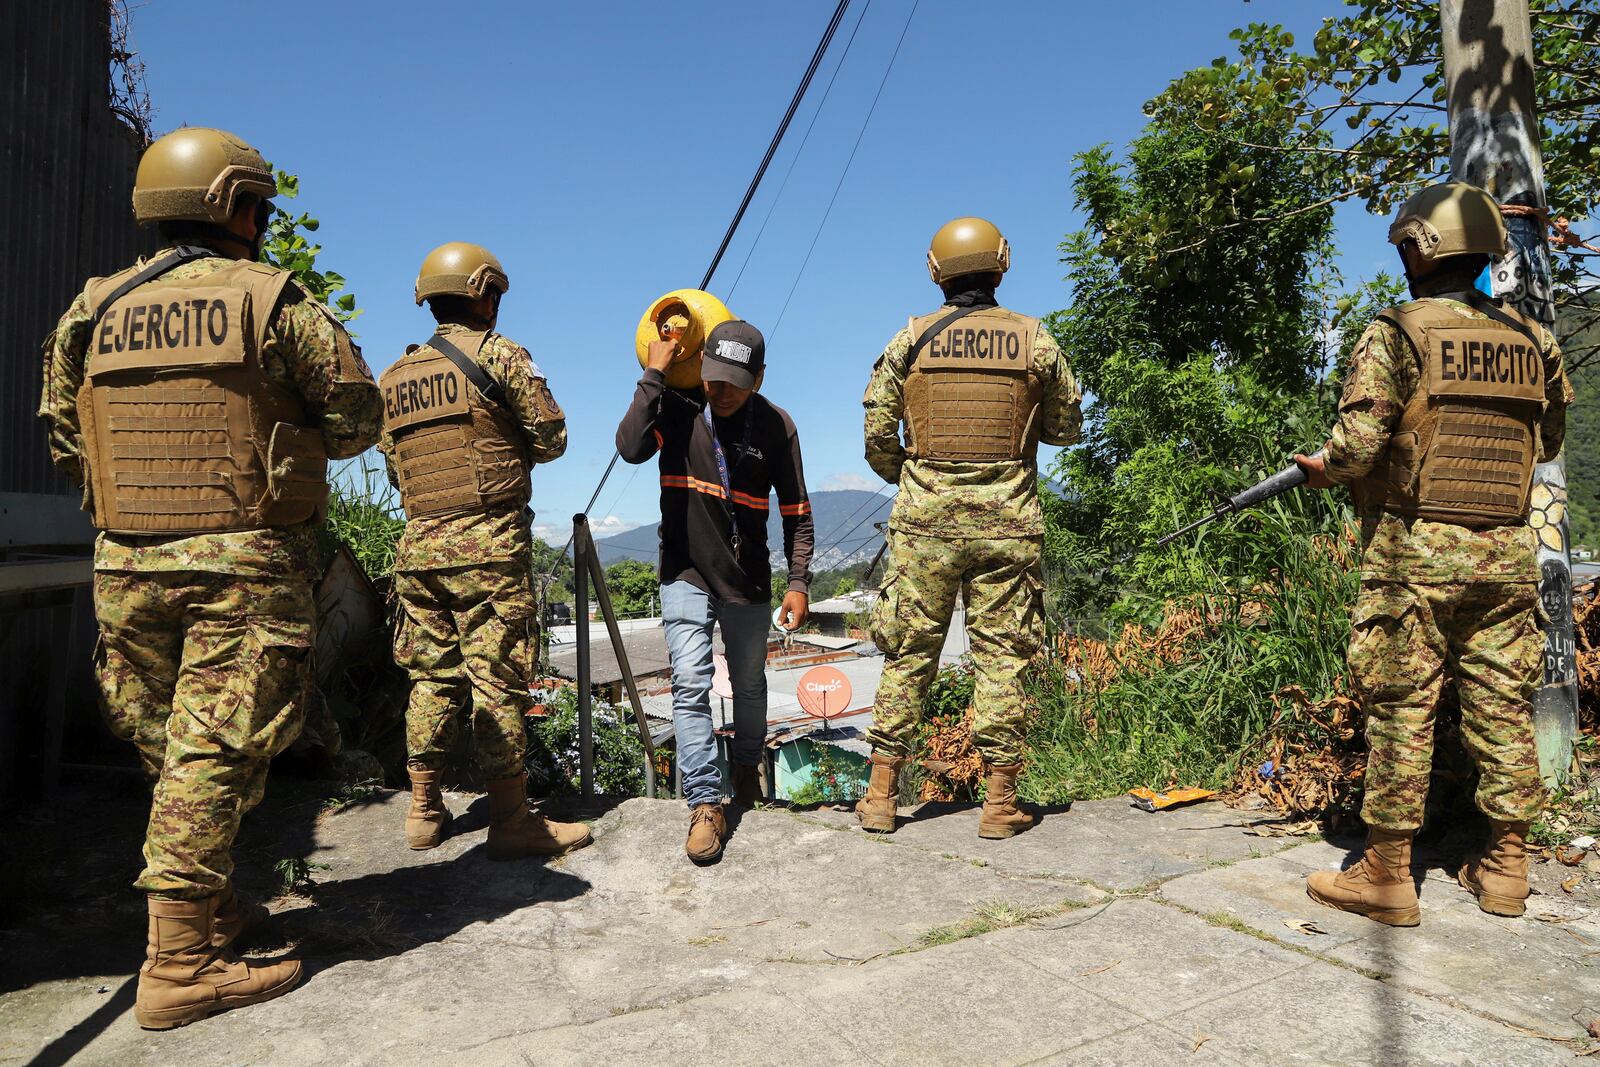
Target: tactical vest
454 450
183 431
1464 448
973 392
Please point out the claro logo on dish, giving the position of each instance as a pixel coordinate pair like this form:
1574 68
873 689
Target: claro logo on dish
823 692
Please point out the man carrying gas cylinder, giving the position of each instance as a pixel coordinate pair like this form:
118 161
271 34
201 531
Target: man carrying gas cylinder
977 388
1448 403
467 414
724 449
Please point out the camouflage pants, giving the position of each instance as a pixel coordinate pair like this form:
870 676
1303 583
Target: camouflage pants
1403 637
208 674
1000 581
467 634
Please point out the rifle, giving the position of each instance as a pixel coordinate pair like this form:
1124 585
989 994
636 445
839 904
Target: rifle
1262 491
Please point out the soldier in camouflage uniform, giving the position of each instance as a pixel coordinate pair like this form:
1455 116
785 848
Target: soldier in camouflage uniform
977 388
466 416
1448 403
197 397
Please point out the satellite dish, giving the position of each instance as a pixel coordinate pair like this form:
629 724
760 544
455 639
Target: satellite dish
823 692
721 680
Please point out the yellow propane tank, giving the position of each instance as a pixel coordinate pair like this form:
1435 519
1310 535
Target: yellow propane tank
689 316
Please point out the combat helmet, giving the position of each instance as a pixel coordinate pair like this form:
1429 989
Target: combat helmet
459 268
197 174
967 246
1450 219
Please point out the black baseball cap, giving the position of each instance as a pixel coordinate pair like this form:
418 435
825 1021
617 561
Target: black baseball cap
735 353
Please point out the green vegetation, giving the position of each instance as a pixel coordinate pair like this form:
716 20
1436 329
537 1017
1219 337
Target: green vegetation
835 779
285 245
634 588
552 760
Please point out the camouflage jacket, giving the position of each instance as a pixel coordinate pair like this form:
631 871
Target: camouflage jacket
955 499
1384 372
307 351
440 542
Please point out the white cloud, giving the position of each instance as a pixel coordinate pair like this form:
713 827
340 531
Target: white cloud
851 481
555 534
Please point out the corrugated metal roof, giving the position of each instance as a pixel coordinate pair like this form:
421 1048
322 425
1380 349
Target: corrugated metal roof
66 169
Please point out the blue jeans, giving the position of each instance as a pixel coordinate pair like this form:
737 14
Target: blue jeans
688 614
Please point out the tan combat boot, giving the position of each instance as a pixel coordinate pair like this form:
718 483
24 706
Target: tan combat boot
186 978
876 810
708 829
1001 817
746 785
1499 877
235 918
1378 886
516 831
428 818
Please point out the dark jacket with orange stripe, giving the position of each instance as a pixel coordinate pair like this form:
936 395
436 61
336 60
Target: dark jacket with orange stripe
696 538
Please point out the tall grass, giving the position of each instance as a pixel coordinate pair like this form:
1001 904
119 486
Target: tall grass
364 513
1185 705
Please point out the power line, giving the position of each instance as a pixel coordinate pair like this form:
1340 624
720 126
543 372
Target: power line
772 147
826 92
844 173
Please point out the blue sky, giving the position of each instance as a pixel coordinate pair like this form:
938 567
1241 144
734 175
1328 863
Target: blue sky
599 150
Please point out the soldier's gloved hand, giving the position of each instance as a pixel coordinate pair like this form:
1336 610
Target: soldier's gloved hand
795 610
1316 469
660 355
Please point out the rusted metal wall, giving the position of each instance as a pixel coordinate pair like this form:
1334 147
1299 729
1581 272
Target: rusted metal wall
66 177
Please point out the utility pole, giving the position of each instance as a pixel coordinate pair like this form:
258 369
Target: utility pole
1494 144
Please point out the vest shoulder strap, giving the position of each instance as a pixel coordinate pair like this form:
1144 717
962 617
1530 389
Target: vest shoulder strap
467 365
938 326
149 272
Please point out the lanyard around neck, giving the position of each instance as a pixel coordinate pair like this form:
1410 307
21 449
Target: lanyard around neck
723 470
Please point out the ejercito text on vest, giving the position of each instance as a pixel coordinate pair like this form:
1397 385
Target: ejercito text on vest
973 392
454 451
183 431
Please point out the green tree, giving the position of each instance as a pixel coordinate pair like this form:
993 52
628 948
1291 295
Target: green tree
549 565
1363 113
1200 343
633 585
286 246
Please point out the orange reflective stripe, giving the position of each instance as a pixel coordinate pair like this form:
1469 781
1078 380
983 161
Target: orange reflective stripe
684 481
802 508
660 441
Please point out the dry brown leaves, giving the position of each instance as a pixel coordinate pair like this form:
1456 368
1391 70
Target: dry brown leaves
1308 782
1586 629
951 744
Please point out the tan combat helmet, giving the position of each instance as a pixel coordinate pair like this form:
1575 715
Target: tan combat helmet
198 174
1451 219
460 269
967 246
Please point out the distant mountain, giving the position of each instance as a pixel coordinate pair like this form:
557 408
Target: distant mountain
843 518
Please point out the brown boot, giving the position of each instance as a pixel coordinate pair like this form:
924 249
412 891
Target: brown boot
1499 877
235 918
428 818
746 786
876 810
1379 886
1001 818
185 977
708 828
516 831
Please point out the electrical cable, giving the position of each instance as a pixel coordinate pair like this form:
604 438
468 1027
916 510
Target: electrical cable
772 147
845 173
798 152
